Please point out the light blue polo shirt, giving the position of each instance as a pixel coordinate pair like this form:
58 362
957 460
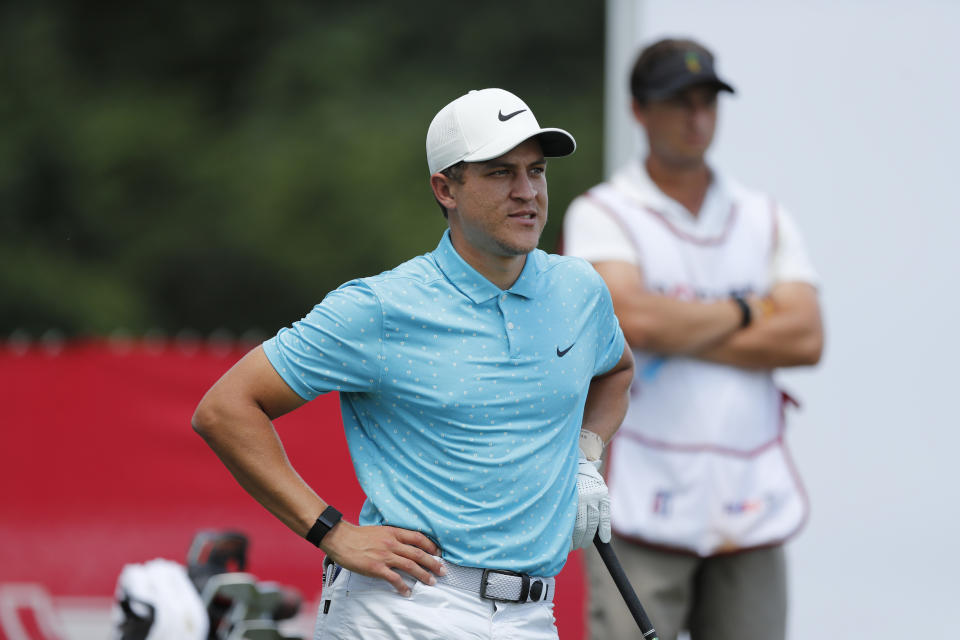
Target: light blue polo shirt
462 403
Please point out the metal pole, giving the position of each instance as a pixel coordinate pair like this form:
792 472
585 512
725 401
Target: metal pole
621 138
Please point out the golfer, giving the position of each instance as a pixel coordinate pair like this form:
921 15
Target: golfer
477 383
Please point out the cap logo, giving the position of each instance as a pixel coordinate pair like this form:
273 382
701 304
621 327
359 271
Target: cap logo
692 60
504 118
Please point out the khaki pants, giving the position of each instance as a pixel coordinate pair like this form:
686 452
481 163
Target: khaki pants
740 596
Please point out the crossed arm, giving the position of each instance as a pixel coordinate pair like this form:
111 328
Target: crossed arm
786 329
234 417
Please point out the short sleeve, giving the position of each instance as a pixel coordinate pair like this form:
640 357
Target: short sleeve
611 340
790 260
336 347
591 233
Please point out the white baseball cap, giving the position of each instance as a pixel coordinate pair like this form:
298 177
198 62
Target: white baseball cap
485 124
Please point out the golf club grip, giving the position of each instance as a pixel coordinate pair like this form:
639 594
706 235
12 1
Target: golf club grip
625 588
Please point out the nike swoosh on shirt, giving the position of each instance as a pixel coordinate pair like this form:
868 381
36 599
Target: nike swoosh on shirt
560 354
504 118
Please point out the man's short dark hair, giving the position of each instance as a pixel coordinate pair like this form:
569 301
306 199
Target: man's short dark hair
455 173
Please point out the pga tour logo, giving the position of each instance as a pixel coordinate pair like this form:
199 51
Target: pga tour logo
767 502
661 502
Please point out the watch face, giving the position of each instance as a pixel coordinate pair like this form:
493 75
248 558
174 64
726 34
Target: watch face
324 523
330 516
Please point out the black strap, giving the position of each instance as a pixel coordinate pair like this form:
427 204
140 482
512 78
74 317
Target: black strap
322 526
524 587
538 590
746 316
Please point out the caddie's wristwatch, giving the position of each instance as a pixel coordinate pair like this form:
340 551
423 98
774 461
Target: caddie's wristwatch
746 316
324 523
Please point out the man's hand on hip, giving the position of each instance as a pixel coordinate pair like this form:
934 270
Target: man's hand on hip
593 506
377 551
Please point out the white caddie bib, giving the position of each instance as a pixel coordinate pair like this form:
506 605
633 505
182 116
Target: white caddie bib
700 463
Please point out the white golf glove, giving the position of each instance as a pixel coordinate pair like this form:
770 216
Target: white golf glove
593 505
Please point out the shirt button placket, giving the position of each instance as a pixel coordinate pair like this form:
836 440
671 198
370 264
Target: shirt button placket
509 327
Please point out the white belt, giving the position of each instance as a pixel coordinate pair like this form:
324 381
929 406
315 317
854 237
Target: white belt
498 584
490 584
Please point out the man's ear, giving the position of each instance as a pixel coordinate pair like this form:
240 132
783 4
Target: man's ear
442 191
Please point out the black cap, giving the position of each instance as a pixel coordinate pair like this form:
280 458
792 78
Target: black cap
669 66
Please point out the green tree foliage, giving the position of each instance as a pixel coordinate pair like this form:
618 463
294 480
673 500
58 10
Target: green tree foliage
177 164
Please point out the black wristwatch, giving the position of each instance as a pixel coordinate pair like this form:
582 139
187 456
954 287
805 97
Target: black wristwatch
324 523
746 316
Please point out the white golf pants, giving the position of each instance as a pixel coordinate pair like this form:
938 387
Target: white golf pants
371 609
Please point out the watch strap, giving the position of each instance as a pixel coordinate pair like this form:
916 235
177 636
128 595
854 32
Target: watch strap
746 315
322 526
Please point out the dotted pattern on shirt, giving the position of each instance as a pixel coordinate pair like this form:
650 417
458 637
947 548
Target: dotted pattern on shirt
461 418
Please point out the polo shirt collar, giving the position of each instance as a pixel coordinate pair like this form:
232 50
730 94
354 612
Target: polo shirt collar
634 181
526 284
471 282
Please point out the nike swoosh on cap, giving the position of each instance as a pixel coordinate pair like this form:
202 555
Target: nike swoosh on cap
504 118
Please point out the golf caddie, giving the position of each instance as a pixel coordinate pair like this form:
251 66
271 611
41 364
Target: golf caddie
477 383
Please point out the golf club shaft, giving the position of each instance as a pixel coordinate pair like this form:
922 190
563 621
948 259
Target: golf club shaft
625 588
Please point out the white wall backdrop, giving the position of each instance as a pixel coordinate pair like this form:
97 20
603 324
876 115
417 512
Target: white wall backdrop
849 112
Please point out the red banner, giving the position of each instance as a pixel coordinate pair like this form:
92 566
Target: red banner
99 467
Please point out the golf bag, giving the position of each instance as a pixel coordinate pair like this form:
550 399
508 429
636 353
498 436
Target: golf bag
211 598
